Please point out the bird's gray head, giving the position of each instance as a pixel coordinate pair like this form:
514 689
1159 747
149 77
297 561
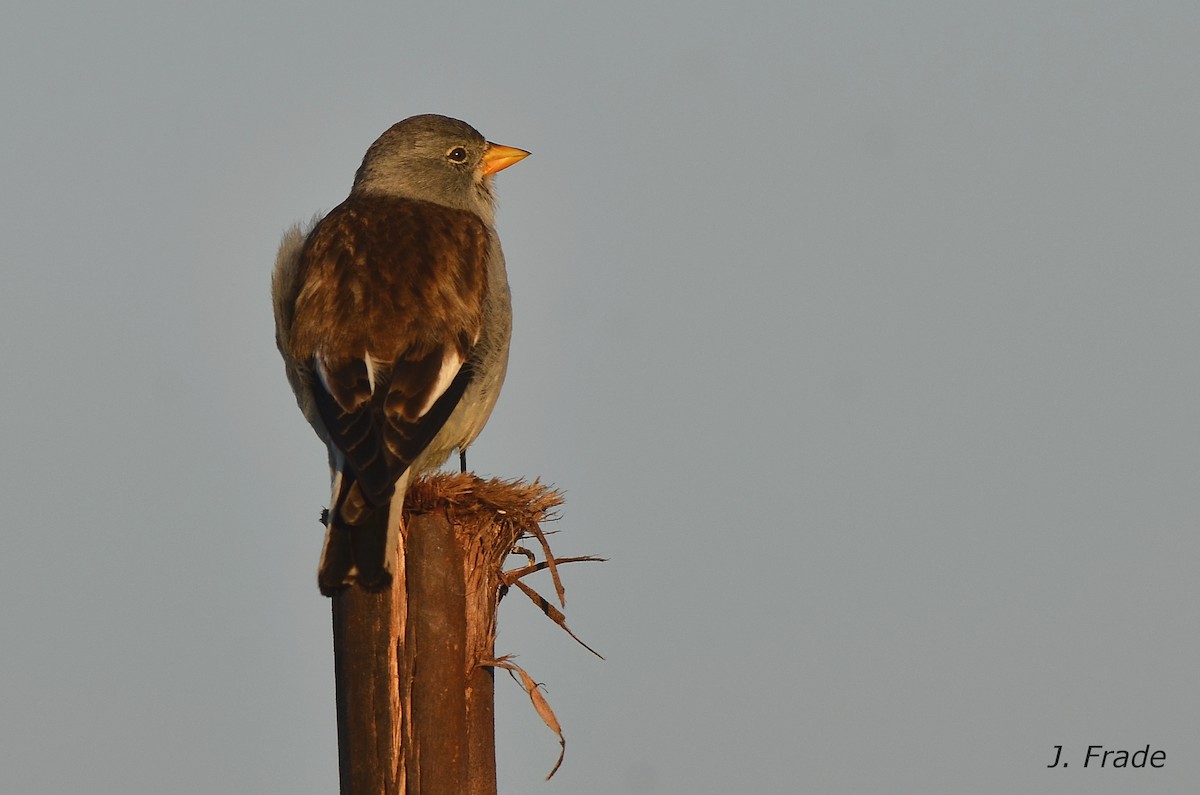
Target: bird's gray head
437 159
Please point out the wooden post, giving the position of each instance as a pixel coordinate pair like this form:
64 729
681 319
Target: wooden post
415 706
364 665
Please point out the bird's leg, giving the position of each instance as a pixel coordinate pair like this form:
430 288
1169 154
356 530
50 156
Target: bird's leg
462 460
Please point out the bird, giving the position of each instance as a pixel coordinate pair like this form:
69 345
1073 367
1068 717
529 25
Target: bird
393 318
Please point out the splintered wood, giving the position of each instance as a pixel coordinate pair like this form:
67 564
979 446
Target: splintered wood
493 517
437 627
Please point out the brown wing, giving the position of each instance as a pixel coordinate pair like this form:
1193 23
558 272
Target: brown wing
390 305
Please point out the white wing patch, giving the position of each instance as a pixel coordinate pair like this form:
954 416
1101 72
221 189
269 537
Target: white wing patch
319 368
451 364
370 370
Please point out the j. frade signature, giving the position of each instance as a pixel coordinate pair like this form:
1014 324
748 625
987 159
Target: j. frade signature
1099 756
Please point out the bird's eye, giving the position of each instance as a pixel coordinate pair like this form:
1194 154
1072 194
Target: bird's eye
457 155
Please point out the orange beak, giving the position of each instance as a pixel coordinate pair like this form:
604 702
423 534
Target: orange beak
498 158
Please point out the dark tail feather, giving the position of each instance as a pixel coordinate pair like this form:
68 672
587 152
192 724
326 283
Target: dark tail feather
356 543
369 547
337 559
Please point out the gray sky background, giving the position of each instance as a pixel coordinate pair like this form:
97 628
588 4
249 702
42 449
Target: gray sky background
861 336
